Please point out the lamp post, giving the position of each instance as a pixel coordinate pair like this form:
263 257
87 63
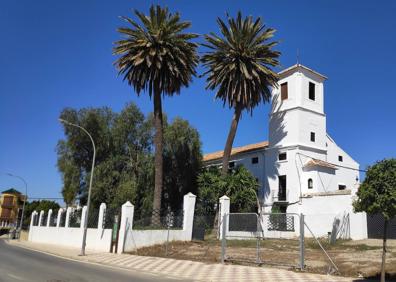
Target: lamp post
23 207
90 183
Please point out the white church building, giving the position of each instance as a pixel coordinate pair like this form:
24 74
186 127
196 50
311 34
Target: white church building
300 168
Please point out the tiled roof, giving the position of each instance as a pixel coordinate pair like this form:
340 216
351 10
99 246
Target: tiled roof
11 191
316 162
236 150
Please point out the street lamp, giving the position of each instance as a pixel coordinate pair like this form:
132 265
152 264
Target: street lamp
90 183
23 207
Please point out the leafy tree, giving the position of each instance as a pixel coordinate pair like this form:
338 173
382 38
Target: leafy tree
239 185
182 162
125 171
42 205
156 56
239 67
377 195
123 144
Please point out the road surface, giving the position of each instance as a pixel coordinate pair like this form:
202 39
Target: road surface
19 264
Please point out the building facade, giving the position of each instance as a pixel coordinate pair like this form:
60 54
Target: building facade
11 202
300 168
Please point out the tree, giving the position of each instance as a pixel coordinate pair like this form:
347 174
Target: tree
238 65
42 205
157 57
240 185
377 195
125 169
123 164
182 162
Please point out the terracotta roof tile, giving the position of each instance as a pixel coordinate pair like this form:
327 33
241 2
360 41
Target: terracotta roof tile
316 162
236 150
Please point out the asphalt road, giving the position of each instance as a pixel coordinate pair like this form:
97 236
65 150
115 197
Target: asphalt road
19 264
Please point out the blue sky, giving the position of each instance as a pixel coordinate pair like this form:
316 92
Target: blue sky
56 54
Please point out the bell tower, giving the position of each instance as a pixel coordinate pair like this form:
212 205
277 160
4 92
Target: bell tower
297 116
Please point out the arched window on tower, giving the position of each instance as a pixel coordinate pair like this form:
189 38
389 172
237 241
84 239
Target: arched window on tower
310 183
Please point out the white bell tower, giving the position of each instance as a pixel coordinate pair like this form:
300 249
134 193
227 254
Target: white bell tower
297 117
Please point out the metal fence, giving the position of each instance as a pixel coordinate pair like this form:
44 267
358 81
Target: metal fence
164 219
246 237
75 218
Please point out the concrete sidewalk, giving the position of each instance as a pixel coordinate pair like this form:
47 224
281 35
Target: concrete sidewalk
181 269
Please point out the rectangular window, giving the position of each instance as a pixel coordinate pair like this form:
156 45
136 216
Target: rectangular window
282 156
284 92
340 158
231 164
255 160
282 188
341 187
312 136
312 91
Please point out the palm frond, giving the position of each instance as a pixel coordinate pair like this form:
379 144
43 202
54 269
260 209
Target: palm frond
156 52
238 63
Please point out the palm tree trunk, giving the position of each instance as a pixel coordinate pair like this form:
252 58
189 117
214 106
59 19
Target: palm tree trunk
384 251
230 139
158 158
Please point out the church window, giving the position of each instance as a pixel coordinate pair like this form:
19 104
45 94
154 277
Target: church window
284 91
282 156
231 164
341 187
312 91
312 136
340 158
310 183
255 160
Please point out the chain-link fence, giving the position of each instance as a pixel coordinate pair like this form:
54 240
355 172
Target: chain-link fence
204 224
263 238
93 218
109 217
160 219
75 218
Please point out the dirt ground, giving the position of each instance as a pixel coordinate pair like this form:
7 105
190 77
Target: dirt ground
353 258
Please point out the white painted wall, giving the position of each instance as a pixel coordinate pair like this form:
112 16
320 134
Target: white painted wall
97 239
131 239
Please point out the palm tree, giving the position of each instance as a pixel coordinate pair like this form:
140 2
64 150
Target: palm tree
157 57
238 65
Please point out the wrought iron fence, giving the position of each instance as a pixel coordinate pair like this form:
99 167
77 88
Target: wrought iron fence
62 220
281 222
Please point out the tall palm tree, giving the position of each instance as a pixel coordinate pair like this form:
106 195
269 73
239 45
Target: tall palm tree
157 57
239 66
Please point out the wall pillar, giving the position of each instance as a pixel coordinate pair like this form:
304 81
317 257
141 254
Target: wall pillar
40 218
67 220
102 210
49 217
188 214
126 223
224 209
32 219
58 219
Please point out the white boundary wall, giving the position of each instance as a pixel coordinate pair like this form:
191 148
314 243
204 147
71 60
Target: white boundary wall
351 225
131 240
98 239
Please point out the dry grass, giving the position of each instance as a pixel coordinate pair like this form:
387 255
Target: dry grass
352 258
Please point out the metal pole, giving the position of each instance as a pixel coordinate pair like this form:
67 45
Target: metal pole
90 185
302 246
23 207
